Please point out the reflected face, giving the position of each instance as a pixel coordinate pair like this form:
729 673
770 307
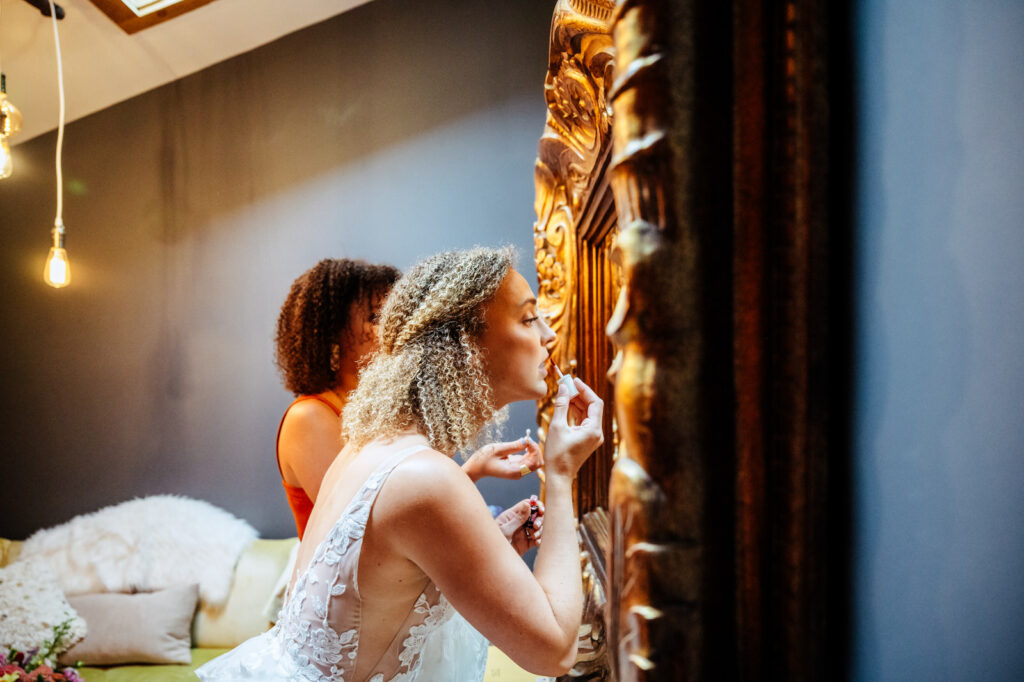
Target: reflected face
515 342
362 336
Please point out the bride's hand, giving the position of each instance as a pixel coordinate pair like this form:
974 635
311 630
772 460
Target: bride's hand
513 459
512 524
568 444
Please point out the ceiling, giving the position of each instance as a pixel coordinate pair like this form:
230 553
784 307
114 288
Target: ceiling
103 65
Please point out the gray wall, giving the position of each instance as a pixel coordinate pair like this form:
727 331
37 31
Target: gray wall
391 132
939 450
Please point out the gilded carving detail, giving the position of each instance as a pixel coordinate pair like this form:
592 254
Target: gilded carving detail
575 133
576 138
654 573
592 656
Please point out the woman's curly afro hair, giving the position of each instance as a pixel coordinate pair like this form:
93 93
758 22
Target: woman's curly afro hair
313 324
430 373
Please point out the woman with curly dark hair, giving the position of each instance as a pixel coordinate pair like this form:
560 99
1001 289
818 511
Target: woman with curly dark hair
327 328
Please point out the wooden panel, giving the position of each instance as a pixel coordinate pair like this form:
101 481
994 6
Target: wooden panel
599 284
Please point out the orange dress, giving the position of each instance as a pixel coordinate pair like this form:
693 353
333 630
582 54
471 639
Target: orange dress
298 500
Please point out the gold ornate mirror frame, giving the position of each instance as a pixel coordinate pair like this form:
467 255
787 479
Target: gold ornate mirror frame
575 229
710 124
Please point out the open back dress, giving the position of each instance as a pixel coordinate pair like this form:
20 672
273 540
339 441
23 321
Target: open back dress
316 636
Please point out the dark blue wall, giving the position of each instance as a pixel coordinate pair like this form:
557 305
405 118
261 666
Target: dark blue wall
939 450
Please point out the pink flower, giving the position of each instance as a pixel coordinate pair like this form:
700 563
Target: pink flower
46 672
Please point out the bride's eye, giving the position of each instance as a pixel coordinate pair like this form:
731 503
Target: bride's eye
530 320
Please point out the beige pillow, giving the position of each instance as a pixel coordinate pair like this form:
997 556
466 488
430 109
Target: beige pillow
143 627
9 551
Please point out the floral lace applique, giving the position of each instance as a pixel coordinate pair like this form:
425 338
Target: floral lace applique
433 616
316 637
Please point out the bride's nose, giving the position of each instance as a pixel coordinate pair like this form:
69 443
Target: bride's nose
547 335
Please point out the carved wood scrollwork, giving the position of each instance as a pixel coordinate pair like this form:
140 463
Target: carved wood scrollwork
574 237
575 228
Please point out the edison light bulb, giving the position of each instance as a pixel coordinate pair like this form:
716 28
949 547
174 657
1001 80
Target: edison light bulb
10 123
57 271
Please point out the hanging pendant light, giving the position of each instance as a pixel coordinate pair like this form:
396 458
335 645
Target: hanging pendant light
57 272
58 269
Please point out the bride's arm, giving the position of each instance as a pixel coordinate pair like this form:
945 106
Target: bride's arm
437 519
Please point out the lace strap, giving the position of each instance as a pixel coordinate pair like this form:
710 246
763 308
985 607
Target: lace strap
360 504
357 511
372 484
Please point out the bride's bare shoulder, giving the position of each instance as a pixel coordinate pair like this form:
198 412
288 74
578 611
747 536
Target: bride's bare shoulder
428 477
428 465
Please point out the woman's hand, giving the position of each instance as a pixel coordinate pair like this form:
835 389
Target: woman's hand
505 460
513 524
575 430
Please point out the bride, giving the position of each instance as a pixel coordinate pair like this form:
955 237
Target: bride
400 537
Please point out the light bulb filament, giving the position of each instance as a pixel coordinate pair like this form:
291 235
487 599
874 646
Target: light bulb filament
6 160
58 268
57 272
10 123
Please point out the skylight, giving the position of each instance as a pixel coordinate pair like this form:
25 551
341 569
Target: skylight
135 15
143 7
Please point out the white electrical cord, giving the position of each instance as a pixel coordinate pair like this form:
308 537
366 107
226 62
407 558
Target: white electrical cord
58 221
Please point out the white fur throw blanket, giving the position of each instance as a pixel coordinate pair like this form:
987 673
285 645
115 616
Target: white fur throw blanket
145 544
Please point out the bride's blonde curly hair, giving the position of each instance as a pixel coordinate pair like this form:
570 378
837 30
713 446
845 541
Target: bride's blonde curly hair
429 371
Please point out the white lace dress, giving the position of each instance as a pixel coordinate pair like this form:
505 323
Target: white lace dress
317 633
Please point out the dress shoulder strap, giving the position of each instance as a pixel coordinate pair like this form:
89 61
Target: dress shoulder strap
388 465
352 521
